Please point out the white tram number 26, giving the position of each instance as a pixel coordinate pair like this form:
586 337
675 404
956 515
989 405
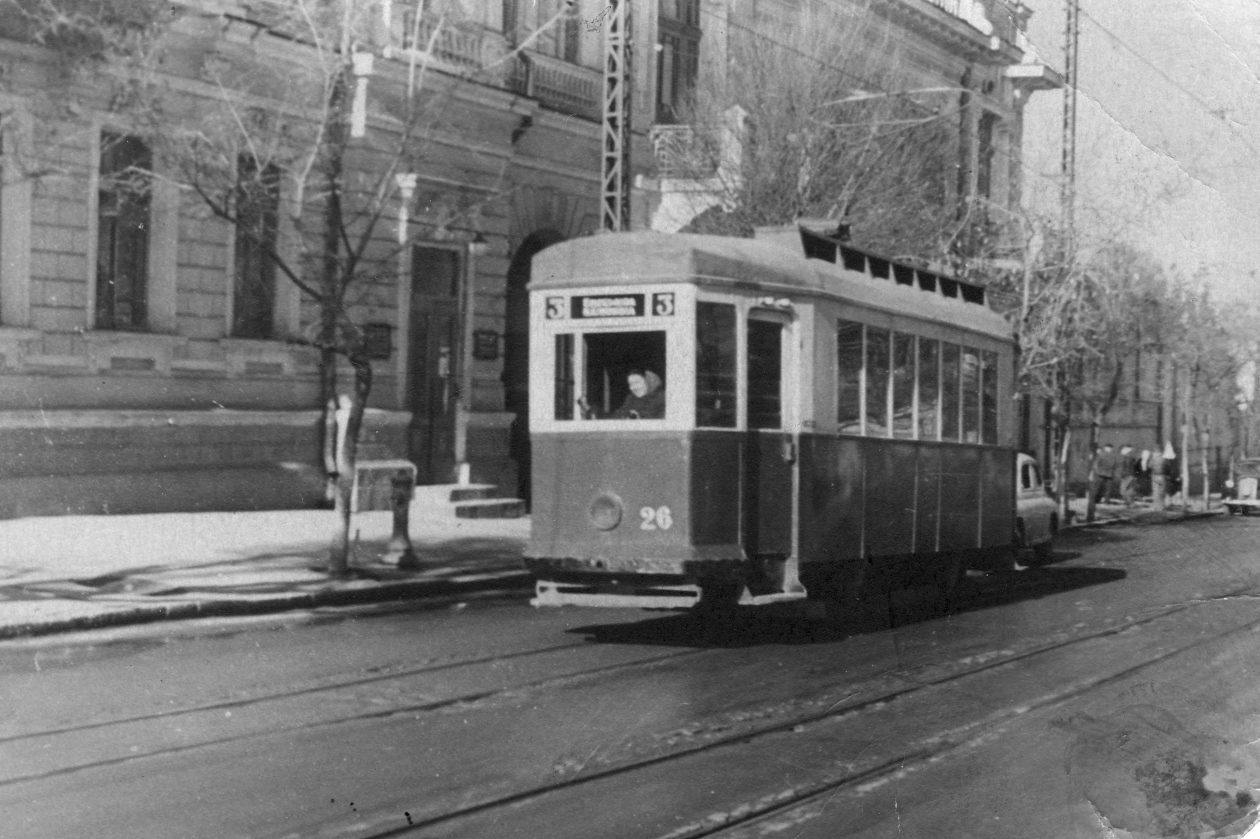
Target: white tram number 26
659 518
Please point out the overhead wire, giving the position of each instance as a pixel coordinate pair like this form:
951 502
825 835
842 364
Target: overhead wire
848 74
1200 101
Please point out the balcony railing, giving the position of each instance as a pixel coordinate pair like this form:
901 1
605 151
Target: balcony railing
980 15
557 84
458 48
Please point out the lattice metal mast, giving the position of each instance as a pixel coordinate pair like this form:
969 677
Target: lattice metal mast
615 203
1072 37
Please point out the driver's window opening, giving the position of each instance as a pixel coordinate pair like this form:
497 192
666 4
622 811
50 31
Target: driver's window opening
565 385
624 376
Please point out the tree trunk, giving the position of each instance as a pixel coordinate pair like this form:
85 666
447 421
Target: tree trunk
1061 472
350 423
330 310
1092 483
1205 441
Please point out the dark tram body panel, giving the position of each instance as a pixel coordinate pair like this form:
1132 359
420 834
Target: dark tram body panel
592 517
896 499
753 472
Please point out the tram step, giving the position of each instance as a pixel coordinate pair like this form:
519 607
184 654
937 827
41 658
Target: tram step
473 492
490 508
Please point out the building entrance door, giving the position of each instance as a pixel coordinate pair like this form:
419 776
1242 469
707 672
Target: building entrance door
432 362
516 354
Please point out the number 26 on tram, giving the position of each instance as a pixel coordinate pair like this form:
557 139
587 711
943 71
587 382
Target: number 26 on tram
725 420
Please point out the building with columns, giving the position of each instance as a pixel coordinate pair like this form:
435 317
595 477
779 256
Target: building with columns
152 358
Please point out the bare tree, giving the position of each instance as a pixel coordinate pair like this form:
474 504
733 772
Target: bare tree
289 149
819 117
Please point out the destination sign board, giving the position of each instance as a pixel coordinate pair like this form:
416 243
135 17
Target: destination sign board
608 306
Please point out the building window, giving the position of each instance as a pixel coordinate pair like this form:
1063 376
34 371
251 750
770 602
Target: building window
257 221
511 20
985 152
122 257
570 33
677 58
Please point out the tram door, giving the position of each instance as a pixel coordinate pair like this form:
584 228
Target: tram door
770 448
432 362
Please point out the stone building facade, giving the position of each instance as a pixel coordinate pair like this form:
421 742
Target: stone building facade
140 372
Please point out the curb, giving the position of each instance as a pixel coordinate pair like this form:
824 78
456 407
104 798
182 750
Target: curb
1185 516
419 590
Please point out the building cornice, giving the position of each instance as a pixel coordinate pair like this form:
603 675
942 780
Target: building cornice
951 32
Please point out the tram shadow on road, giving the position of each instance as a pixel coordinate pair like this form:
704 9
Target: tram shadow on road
800 623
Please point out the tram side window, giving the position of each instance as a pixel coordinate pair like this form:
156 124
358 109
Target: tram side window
929 388
903 386
565 384
625 376
715 365
765 374
971 395
988 398
877 351
849 385
951 371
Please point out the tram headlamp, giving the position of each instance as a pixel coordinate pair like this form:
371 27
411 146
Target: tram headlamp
605 511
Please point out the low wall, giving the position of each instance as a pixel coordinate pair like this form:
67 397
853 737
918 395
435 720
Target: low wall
119 461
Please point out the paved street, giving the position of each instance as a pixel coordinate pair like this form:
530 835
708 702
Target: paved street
1108 691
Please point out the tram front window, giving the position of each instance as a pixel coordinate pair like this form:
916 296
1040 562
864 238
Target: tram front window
624 376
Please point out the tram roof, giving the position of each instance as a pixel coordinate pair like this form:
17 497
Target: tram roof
748 264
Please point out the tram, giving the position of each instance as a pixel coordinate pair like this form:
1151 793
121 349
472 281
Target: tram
718 420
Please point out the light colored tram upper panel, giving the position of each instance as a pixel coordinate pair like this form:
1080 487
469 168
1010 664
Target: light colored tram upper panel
748 265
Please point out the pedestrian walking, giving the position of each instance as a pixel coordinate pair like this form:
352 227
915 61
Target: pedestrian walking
1128 474
1158 478
1172 474
1105 470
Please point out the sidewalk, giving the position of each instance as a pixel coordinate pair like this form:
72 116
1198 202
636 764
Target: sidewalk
66 573
1142 512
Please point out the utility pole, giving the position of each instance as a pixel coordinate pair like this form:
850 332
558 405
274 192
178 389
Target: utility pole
1072 35
615 197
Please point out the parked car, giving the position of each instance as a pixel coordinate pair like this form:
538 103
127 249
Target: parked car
1242 487
1036 510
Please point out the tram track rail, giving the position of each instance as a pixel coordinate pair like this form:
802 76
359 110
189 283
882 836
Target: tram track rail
783 800
340 719
780 803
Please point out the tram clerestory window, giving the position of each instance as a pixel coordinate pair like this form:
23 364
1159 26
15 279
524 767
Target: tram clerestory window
929 388
988 398
903 386
849 383
715 365
877 352
951 370
971 395
624 376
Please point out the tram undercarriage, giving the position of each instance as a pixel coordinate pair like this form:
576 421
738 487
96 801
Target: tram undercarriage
731 582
